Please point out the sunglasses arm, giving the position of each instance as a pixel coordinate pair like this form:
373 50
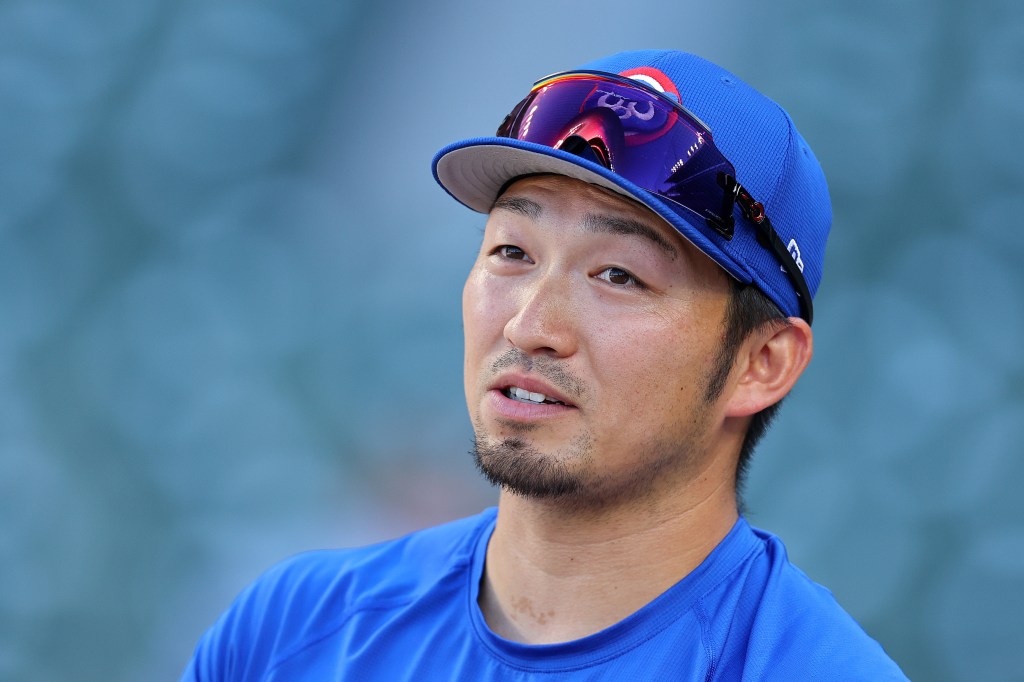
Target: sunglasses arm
767 236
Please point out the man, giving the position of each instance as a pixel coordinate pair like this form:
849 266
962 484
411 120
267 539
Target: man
640 304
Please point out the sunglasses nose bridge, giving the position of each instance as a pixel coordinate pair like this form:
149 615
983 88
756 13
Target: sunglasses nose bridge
596 134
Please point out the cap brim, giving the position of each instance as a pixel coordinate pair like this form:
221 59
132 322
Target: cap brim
474 171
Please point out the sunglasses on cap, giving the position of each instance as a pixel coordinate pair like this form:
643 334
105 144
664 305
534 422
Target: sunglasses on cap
647 138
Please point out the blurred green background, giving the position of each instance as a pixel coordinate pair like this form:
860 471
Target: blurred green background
231 322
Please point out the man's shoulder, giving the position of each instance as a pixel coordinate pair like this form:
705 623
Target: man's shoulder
389 570
794 624
310 595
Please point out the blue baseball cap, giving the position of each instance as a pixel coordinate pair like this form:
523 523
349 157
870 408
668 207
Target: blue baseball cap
772 164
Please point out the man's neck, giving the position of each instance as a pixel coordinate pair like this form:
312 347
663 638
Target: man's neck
555 574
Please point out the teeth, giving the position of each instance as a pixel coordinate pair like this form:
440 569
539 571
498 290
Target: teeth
523 394
529 396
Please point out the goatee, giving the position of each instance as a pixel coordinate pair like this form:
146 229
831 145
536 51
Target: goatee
518 467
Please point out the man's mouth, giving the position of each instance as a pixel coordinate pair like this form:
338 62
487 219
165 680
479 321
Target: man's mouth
524 396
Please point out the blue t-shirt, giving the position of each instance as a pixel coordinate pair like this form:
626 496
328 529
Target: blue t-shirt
407 610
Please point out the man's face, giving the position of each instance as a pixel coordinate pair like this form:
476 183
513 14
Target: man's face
591 328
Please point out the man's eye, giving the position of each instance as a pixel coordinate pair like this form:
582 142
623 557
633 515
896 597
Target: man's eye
511 252
619 276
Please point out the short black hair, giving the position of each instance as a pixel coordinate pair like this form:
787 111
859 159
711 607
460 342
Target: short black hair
747 311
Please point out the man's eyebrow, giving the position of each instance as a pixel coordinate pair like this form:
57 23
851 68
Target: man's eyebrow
628 226
594 222
521 205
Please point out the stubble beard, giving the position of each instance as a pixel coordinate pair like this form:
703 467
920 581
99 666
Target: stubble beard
567 478
517 466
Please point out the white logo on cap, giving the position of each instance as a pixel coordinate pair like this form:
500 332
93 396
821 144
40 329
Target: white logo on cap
794 251
648 80
624 108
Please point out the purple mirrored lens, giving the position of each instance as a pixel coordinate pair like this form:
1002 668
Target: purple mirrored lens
630 131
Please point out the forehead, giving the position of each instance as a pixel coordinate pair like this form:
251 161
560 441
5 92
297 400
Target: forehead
572 195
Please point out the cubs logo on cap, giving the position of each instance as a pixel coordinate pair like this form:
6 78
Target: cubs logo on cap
641 120
655 79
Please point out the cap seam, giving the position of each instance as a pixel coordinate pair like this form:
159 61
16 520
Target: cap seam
787 161
662 56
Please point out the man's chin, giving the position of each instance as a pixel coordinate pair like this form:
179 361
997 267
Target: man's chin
518 467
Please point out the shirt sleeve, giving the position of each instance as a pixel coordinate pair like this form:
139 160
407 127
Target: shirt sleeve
227 649
242 643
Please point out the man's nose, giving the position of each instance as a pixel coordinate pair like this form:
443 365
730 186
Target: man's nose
547 317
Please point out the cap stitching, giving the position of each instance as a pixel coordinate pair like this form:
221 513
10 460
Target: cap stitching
787 160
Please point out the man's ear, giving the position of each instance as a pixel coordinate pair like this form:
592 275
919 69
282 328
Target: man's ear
767 366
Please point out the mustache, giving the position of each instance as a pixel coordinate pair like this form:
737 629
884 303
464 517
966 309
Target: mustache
552 370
